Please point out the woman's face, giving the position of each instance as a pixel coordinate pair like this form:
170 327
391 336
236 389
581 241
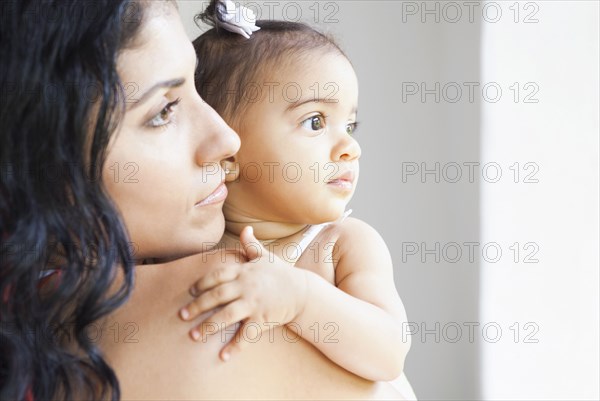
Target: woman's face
162 168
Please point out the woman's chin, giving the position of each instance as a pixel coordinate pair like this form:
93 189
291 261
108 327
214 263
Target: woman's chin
207 247
199 240
208 236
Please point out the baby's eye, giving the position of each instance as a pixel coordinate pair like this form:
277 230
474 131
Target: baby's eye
350 128
164 116
314 123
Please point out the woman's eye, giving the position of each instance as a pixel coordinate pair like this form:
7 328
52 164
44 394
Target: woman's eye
314 123
164 116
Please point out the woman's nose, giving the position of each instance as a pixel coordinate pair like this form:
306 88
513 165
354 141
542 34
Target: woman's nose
217 140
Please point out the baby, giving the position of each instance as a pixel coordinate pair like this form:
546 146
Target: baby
292 95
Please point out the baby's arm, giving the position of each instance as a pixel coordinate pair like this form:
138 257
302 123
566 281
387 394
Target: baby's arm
365 308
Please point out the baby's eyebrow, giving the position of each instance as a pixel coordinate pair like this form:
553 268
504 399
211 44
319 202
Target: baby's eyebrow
299 103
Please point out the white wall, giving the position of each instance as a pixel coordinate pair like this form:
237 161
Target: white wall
559 214
394 44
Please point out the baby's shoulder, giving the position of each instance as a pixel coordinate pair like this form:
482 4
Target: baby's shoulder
355 235
354 229
359 247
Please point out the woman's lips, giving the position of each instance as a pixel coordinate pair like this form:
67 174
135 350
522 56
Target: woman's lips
218 195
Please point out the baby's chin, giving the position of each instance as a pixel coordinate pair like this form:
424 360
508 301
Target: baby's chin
327 215
308 213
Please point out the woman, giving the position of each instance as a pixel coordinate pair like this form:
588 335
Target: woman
161 189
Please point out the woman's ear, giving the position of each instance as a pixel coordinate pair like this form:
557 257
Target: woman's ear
231 168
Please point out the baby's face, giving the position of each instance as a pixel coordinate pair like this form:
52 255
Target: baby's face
298 161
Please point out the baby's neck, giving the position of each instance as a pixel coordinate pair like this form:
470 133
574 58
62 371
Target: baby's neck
264 231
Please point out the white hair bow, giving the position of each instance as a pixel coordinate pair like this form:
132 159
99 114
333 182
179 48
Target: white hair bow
241 20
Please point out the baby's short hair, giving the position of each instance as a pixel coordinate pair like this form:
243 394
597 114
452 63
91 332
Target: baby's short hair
229 65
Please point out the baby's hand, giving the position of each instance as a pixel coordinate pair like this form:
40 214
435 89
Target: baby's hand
264 292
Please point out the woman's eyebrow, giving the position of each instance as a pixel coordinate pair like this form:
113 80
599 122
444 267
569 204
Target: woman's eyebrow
172 83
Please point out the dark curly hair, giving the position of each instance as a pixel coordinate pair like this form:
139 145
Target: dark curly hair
60 101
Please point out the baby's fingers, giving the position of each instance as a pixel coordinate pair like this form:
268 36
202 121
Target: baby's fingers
217 296
250 245
215 277
238 342
230 314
